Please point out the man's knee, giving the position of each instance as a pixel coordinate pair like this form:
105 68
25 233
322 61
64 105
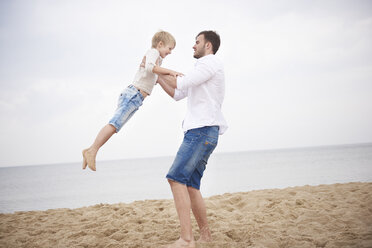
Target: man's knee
192 190
172 182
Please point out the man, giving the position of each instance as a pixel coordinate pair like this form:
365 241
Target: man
204 88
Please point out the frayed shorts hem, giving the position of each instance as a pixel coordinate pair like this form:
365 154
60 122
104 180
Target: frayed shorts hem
183 183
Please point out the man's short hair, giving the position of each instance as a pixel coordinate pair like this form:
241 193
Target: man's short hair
213 38
165 37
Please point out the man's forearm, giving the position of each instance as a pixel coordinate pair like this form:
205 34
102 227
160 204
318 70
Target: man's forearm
166 87
170 80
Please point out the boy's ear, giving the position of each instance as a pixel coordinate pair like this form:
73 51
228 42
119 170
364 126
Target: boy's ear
160 44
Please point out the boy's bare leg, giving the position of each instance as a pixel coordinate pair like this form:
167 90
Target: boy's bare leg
200 212
85 163
183 207
89 154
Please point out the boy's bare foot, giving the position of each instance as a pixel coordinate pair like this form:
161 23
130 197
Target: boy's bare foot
182 244
85 163
205 235
90 158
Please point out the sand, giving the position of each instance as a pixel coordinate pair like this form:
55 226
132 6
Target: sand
338 215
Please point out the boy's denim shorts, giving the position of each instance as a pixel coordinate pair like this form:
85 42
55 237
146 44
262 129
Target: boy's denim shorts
189 165
129 102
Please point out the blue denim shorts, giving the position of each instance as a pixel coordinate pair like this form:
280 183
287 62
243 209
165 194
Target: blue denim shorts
129 102
192 157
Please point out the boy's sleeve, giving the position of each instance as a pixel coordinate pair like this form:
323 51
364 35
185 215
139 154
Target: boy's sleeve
200 74
151 56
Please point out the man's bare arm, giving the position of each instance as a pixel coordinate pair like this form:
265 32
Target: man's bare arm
165 83
170 80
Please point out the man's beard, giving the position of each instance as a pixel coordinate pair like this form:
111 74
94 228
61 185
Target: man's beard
200 54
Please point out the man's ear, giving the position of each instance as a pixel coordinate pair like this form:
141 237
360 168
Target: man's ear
208 45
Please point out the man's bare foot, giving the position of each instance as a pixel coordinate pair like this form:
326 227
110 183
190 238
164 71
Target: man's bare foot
90 159
205 235
182 244
85 163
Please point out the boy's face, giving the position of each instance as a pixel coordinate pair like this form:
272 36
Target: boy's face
164 50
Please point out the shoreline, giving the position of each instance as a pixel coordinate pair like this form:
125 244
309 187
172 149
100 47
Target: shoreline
332 215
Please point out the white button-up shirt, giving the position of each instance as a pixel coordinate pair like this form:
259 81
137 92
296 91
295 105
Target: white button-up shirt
204 88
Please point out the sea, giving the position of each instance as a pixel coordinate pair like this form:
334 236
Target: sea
42 187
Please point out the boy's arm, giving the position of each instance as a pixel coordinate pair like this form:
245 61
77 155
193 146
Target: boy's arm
154 68
164 71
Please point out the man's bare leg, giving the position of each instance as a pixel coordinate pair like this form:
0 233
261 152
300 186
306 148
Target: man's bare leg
183 207
89 154
200 212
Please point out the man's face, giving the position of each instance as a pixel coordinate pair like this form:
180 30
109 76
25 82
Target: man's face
199 47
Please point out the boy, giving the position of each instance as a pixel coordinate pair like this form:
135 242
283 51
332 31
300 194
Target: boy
132 97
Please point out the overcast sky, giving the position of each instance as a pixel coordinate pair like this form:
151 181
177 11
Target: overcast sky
298 73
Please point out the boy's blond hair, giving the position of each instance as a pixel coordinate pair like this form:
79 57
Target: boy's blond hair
165 37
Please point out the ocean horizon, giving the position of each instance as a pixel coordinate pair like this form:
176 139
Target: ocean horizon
50 186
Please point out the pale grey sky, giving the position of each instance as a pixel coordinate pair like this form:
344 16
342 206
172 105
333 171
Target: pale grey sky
298 73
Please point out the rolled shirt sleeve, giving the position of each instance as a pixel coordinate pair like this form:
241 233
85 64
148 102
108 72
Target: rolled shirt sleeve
179 94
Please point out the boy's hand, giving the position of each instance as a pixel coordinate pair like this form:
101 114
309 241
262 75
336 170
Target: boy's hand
176 74
143 63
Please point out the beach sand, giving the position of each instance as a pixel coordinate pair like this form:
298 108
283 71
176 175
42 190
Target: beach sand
337 215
